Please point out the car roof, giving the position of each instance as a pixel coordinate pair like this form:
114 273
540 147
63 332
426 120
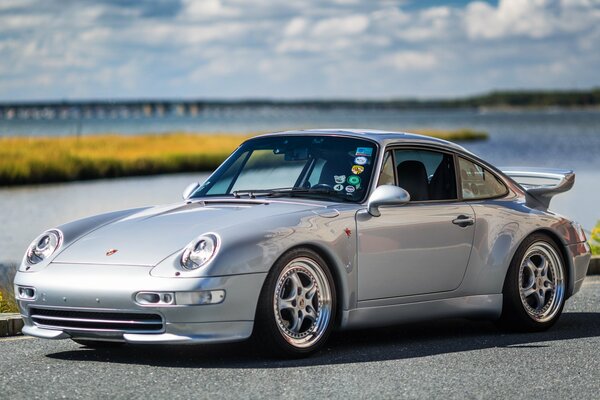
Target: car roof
382 137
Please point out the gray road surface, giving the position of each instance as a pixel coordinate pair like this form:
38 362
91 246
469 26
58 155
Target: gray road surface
449 359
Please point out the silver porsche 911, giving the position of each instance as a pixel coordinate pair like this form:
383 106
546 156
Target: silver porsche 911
299 233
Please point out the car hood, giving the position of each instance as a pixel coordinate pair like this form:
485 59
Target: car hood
149 236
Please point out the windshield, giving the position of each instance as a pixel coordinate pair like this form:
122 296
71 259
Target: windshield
330 167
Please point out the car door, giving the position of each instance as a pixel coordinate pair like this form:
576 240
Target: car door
422 246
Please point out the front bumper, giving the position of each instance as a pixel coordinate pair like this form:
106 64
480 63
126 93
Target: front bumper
97 302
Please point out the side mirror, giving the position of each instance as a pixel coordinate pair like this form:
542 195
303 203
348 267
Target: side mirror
386 195
191 188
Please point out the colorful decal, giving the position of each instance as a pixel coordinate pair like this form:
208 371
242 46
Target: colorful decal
357 169
360 160
350 189
364 151
338 187
339 178
354 180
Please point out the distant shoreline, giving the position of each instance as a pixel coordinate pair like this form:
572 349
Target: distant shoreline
36 160
123 108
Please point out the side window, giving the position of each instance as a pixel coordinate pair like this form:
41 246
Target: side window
477 182
386 177
426 175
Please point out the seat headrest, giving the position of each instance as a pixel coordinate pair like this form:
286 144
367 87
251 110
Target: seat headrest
412 176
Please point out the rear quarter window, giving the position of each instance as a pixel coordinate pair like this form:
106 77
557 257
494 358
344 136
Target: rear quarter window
477 182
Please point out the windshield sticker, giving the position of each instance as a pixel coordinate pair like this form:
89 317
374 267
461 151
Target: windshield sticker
360 160
350 189
338 187
339 178
364 151
357 169
354 180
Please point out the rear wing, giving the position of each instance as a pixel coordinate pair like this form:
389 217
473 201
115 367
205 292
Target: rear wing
541 184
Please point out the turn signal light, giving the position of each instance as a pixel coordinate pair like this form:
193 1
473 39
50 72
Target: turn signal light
180 298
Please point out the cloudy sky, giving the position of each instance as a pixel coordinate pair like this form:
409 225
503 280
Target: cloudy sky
75 49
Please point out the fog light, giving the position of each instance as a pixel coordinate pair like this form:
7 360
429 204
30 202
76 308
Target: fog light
200 298
154 298
25 293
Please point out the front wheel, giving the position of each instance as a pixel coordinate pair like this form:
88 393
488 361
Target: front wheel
297 305
534 290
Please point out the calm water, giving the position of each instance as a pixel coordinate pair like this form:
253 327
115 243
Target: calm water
566 139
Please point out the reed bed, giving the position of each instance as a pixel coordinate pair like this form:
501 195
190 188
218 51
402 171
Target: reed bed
594 240
34 160
7 302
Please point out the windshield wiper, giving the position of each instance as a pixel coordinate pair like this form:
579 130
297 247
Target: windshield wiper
291 191
253 193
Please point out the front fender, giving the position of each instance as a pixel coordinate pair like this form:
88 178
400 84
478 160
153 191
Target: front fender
252 250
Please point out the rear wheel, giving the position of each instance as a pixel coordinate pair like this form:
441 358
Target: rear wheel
296 309
534 290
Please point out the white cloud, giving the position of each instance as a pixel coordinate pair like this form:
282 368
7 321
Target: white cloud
341 26
530 18
296 26
12 22
411 60
11 4
204 9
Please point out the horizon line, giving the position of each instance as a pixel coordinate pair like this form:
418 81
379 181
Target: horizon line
300 100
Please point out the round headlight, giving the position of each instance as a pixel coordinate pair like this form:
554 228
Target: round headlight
200 251
43 246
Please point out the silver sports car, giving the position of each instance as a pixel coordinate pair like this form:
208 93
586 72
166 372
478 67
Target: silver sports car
299 233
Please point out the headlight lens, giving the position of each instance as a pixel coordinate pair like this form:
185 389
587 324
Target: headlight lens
43 246
200 251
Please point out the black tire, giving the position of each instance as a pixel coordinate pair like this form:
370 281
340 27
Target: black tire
98 344
532 312
274 329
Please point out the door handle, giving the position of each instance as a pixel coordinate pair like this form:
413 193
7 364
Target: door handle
463 221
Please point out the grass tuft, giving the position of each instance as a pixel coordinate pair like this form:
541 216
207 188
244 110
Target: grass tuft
7 303
594 240
454 135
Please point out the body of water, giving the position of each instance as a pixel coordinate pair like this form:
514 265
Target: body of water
550 138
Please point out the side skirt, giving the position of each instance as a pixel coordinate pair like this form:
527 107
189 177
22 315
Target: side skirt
482 306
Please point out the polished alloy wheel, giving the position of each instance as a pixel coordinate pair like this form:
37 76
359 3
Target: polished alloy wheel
541 282
302 302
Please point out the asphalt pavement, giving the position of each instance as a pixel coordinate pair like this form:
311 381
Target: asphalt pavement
449 359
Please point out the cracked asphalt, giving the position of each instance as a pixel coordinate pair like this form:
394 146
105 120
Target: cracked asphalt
450 359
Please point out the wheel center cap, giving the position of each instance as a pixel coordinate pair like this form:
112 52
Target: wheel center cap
301 302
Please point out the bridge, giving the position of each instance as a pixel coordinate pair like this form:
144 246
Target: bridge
162 108
101 109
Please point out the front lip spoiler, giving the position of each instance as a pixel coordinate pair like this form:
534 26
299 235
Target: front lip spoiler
44 333
184 333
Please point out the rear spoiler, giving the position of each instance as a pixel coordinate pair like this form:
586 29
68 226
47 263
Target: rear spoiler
541 184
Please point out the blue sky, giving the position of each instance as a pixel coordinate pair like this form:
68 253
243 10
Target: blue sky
71 49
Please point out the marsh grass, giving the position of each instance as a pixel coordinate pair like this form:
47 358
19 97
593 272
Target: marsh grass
594 240
7 302
28 160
